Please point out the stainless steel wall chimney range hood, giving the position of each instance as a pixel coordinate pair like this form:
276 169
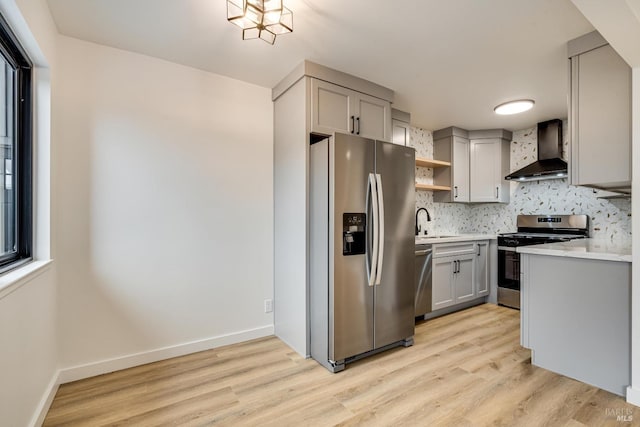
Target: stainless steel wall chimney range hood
549 164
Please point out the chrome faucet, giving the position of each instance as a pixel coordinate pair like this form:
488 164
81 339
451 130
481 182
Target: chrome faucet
418 229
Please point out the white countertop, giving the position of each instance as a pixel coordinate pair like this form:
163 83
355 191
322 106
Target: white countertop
583 248
449 238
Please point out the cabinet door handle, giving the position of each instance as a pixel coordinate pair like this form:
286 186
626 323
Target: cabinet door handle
497 192
353 127
478 250
455 191
358 123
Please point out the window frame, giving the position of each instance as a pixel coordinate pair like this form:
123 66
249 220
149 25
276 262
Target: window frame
14 54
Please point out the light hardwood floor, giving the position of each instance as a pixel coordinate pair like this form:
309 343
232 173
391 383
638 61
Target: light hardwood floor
465 369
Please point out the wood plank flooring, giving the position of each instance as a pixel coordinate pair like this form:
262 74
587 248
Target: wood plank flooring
465 369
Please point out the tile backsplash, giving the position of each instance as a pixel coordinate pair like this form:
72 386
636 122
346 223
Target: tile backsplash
609 219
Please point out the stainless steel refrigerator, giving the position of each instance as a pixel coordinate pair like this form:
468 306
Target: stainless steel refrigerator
362 261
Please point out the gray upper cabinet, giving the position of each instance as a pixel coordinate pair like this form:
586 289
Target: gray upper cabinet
332 108
479 162
373 117
400 127
337 109
489 164
460 169
452 145
600 115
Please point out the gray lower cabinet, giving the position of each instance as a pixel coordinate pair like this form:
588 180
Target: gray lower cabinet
482 268
576 318
460 273
453 280
443 295
464 283
453 274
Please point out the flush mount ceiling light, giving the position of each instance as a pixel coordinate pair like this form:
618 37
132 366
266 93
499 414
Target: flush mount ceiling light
260 19
514 107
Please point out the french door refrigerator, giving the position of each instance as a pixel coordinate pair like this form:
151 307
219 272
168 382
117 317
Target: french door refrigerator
361 268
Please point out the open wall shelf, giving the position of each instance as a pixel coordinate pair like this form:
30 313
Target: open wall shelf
431 187
430 163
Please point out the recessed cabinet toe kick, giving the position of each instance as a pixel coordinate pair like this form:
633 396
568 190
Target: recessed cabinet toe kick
362 248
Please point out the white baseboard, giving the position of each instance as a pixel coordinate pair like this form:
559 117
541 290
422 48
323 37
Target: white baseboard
110 365
633 396
123 362
45 401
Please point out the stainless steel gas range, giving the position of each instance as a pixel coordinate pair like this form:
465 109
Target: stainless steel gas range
532 230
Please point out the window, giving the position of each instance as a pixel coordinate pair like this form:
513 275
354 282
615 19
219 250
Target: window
15 151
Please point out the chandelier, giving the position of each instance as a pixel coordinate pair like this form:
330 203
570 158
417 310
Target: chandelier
260 19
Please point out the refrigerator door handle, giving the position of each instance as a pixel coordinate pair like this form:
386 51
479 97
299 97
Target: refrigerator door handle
380 194
371 272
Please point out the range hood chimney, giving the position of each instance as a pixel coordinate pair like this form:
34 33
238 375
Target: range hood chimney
550 164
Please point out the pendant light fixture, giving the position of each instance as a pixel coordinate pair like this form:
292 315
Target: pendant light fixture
260 19
514 107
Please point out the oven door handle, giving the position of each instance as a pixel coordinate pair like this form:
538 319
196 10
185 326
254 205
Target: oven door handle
506 248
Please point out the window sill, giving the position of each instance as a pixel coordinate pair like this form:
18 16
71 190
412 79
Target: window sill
14 279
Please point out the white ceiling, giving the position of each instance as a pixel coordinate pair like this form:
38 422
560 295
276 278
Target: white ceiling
448 61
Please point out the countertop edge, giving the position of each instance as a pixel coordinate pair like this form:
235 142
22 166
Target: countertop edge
426 240
613 252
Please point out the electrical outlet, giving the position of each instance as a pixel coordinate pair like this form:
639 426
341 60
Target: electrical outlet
268 306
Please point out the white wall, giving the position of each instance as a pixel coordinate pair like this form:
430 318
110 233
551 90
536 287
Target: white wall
28 330
28 355
162 178
165 197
